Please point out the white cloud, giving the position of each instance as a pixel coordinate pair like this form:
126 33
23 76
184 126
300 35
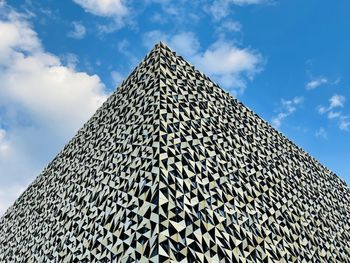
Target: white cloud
287 107
277 121
229 26
321 132
315 83
229 64
321 109
37 80
247 2
42 102
219 9
344 123
110 8
185 43
116 10
78 31
223 61
123 46
181 12
69 59
334 114
335 102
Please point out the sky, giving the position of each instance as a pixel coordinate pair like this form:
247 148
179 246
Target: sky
288 61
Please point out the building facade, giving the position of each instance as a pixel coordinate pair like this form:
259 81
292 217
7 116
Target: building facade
171 168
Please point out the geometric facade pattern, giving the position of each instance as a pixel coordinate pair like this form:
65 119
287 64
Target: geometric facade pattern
172 168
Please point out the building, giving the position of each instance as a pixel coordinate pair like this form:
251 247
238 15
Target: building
172 168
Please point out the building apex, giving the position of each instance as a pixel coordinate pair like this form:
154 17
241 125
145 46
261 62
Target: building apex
161 45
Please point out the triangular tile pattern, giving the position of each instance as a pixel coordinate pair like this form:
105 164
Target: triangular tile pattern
97 201
173 169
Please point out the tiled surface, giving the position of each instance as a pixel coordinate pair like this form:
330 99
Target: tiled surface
173 169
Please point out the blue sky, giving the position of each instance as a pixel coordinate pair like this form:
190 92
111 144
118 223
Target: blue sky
59 60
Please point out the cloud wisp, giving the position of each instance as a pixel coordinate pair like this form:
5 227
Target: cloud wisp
334 112
315 83
335 102
321 133
287 108
220 9
78 31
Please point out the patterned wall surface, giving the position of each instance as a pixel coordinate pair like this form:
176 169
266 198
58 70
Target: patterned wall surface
172 168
